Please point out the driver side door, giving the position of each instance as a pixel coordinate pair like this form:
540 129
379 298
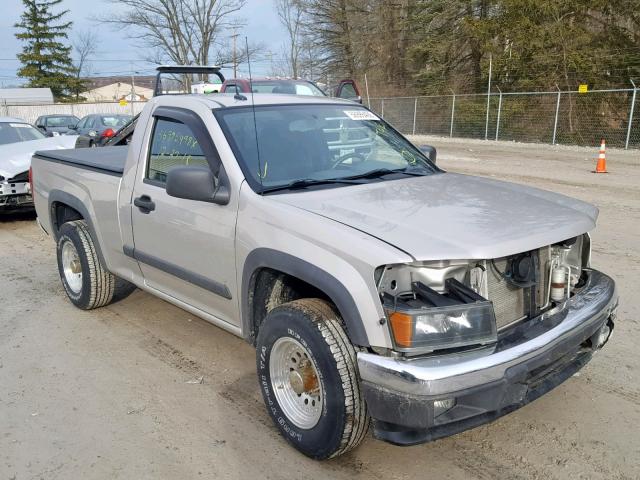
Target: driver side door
185 248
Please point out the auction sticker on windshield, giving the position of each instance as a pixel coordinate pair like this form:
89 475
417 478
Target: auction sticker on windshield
360 115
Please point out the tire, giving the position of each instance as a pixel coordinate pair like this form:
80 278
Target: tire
341 420
86 282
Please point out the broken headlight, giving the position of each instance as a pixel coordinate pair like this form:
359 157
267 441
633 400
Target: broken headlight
436 328
429 309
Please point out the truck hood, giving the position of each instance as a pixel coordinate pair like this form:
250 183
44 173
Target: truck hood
449 216
15 158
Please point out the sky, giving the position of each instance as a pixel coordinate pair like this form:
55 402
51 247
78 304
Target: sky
119 55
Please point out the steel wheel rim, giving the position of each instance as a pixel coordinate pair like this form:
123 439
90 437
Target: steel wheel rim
296 383
72 267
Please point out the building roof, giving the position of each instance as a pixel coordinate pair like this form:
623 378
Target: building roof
146 81
25 96
116 91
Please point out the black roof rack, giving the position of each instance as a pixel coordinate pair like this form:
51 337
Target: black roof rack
186 69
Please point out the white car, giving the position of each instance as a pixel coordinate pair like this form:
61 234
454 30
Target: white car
19 140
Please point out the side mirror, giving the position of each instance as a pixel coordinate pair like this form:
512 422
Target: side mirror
40 126
72 127
197 183
429 152
358 99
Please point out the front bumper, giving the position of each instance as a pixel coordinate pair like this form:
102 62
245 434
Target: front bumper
15 196
528 361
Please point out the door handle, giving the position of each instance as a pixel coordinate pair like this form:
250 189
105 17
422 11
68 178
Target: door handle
144 203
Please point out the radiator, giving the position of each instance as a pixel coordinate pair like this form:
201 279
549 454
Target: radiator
508 300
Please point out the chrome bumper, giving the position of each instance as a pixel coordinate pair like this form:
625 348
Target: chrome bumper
445 375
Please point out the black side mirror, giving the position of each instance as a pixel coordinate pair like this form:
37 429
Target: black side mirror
429 152
198 183
72 127
358 99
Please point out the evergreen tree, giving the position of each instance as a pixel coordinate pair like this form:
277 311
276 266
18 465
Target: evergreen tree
46 60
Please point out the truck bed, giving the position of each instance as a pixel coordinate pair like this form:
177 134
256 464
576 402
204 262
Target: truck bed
109 160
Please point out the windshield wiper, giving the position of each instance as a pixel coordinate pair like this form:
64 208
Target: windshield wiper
351 180
308 182
381 172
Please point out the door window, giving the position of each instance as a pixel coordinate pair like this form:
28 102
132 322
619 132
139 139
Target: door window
347 91
173 144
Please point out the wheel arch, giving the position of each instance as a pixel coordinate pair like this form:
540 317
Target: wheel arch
63 208
325 284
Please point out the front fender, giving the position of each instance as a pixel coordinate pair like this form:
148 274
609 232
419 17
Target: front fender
307 272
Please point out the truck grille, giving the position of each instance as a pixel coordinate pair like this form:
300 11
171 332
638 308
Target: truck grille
509 301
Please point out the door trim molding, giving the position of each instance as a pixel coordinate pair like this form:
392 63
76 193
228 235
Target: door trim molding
188 276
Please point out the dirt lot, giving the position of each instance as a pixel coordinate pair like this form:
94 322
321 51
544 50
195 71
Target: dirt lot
106 394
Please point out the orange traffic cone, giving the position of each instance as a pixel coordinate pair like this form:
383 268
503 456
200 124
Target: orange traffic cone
601 166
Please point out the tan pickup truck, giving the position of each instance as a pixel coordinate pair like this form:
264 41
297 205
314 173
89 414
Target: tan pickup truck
374 285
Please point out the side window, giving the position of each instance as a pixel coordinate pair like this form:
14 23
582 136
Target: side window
230 88
173 144
347 91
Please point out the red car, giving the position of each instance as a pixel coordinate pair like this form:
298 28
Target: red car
345 89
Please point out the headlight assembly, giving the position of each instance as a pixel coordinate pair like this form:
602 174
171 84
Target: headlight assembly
434 328
423 320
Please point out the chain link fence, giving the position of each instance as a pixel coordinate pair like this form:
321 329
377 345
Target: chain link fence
560 117
30 113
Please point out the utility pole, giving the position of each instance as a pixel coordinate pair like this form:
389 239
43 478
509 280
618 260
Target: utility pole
269 54
133 89
235 55
486 124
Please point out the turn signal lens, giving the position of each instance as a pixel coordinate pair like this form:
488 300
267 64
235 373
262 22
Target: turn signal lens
402 326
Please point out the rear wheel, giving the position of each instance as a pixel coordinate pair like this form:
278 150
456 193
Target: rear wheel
86 281
308 377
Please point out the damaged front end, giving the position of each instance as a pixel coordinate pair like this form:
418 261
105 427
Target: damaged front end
433 306
15 193
475 340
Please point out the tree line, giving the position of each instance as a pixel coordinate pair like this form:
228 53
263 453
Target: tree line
402 46
435 46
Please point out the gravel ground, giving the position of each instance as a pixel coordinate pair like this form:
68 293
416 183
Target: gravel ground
116 392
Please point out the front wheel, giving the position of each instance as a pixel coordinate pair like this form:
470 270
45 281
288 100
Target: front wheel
308 378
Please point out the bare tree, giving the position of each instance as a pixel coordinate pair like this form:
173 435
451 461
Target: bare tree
85 45
290 13
182 31
226 55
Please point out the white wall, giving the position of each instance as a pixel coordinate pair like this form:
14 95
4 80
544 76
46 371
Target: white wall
29 113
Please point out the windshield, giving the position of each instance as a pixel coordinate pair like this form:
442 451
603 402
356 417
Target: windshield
13 132
115 120
61 121
286 87
317 144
